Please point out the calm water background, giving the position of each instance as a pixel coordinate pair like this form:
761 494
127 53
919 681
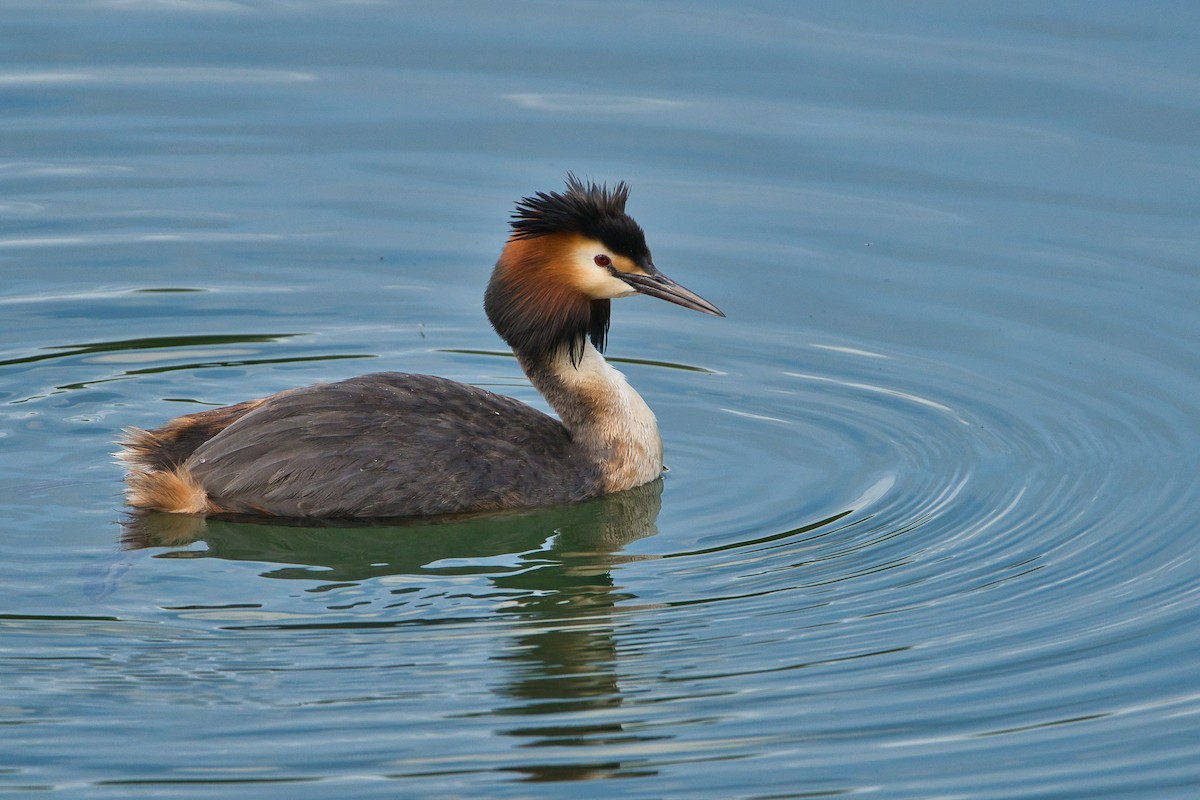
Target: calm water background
930 525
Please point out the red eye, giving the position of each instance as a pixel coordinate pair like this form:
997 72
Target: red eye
602 260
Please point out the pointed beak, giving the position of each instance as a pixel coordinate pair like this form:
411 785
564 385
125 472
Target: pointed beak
662 287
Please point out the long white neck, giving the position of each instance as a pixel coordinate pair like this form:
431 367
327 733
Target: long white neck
606 417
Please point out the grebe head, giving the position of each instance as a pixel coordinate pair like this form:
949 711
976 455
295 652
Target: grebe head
568 255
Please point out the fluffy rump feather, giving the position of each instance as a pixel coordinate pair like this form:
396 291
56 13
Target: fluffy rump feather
175 490
167 447
158 478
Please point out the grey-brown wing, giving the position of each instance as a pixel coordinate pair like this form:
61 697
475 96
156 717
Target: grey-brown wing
391 444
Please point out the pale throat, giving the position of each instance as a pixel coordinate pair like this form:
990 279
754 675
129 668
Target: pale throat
606 416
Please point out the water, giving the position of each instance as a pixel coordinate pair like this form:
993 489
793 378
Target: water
929 529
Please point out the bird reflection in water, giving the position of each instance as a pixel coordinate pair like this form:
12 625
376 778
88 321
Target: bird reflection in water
562 662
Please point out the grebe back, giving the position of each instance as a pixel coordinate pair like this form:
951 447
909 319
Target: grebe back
393 444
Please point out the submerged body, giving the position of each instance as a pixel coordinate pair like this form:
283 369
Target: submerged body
394 444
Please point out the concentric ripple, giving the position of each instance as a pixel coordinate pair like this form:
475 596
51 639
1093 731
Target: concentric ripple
943 550
861 555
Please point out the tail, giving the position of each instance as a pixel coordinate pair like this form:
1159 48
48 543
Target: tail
139 450
176 491
154 485
158 475
165 448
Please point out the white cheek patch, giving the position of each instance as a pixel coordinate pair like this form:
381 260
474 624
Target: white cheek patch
593 280
604 286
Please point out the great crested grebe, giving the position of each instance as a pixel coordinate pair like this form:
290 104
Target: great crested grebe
390 444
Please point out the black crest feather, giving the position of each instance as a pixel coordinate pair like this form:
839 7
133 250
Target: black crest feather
590 209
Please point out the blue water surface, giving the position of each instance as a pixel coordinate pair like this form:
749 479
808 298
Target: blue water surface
929 529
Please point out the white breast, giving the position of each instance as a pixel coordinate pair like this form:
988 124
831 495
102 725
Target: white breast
615 421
